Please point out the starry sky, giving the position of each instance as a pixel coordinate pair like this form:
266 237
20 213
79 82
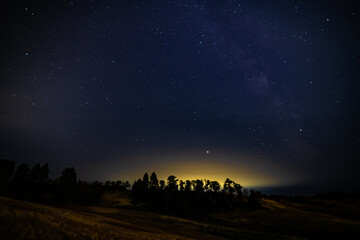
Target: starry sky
263 92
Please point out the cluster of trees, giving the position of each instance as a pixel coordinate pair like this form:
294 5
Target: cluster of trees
176 195
174 184
192 195
24 181
34 184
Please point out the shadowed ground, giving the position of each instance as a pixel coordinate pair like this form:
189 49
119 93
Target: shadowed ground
338 219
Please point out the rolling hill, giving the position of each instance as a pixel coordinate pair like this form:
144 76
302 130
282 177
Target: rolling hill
274 220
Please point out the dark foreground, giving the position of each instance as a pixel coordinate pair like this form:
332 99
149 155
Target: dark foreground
322 219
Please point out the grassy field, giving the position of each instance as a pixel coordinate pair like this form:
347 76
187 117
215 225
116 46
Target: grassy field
338 219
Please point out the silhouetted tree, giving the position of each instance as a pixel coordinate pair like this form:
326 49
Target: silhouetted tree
38 183
154 182
118 185
137 186
162 185
44 174
145 181
39 173
127 185
21 181
229 186
199 186
238 188
194 196
6 170
172 183
35 172
207 186
193 184
238 191
187 185
215 186
182 183
21 174
68 177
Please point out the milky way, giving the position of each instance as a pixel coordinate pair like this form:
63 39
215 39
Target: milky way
116 88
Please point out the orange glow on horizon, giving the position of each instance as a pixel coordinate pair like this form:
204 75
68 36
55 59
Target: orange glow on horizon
247 171
215 172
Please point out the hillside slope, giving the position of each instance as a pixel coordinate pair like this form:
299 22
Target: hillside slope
276 220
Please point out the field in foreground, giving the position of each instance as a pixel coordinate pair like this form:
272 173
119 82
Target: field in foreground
325 219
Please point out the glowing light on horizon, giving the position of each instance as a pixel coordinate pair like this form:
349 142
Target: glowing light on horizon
215 172
247 171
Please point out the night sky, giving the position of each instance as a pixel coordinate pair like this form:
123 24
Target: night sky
263 92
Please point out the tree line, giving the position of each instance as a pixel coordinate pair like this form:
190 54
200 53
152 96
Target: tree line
173 194
193 195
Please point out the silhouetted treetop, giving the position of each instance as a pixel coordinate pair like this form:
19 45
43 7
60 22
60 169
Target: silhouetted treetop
215 186
229 186
199 185
172 183
39 173
68 177
190 195
22 173
207 185
145 181
6 170
182 183
154 182
162 185
137 186
187 185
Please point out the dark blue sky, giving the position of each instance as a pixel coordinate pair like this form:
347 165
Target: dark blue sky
117 88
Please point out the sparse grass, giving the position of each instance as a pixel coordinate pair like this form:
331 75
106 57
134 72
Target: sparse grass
116 199
276 220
